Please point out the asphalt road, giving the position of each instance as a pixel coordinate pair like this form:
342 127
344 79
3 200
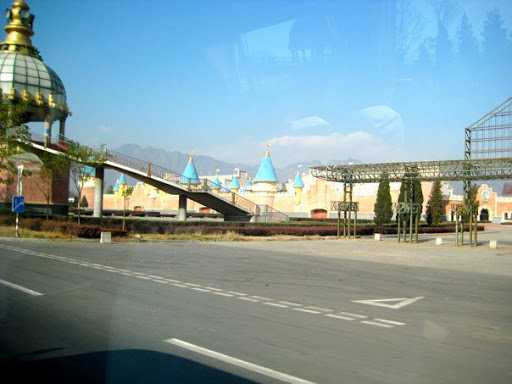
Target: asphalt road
298 311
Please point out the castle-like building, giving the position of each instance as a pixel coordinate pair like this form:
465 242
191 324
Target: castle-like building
305 196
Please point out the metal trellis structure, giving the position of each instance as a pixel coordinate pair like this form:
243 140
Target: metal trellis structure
487 156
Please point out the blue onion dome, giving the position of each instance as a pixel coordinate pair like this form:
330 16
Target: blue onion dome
266 172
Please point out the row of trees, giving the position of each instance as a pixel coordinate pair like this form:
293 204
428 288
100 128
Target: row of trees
383 208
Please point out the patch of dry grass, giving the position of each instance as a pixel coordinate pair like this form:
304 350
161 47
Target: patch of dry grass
28 233
197 236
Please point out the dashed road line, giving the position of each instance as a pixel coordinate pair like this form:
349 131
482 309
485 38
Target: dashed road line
347 316
320 309
340 317
392 322
377 324
248 299
263 298
357 316
306 310
290 304
215 289
200 289
222 294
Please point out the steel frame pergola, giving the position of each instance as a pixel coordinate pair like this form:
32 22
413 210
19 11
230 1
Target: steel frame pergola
487 156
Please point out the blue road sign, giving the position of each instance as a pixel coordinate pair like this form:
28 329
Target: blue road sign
18 204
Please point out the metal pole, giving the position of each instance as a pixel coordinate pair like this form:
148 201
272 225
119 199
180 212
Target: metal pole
349 210
456 229
18 193
476 230
399 220
355 227
471 229
416 227
339 219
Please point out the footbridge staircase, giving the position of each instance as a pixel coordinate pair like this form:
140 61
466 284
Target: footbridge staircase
233 208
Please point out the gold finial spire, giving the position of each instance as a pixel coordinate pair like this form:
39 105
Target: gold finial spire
19 29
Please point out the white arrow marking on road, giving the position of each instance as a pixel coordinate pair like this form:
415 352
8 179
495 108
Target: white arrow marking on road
400 302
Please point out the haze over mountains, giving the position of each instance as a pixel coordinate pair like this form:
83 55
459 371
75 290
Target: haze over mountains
206 165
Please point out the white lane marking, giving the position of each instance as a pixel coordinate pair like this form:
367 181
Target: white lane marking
340 317
215 289
20 288
200 289
400 302
248 299
290 304
377 324
263 298
389 321
179 285
306 310
353 315
222 294
320 309
239 295
237 362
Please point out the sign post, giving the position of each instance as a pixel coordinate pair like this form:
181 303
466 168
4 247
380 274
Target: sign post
18 201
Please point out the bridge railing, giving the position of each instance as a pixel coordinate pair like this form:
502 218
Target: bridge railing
150 169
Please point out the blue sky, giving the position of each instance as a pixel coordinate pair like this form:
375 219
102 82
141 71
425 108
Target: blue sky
320 80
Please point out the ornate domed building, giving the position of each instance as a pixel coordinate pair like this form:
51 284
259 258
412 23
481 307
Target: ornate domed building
26 79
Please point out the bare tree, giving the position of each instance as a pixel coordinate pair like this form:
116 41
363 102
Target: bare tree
410 25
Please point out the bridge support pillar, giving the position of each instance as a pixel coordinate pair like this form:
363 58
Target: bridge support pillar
182 208
47 130
98 192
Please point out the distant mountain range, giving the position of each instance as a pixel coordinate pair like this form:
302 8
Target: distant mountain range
205 165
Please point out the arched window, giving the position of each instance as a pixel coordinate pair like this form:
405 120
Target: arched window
484 214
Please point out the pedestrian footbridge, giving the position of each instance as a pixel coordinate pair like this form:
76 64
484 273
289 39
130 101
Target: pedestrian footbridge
233 208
